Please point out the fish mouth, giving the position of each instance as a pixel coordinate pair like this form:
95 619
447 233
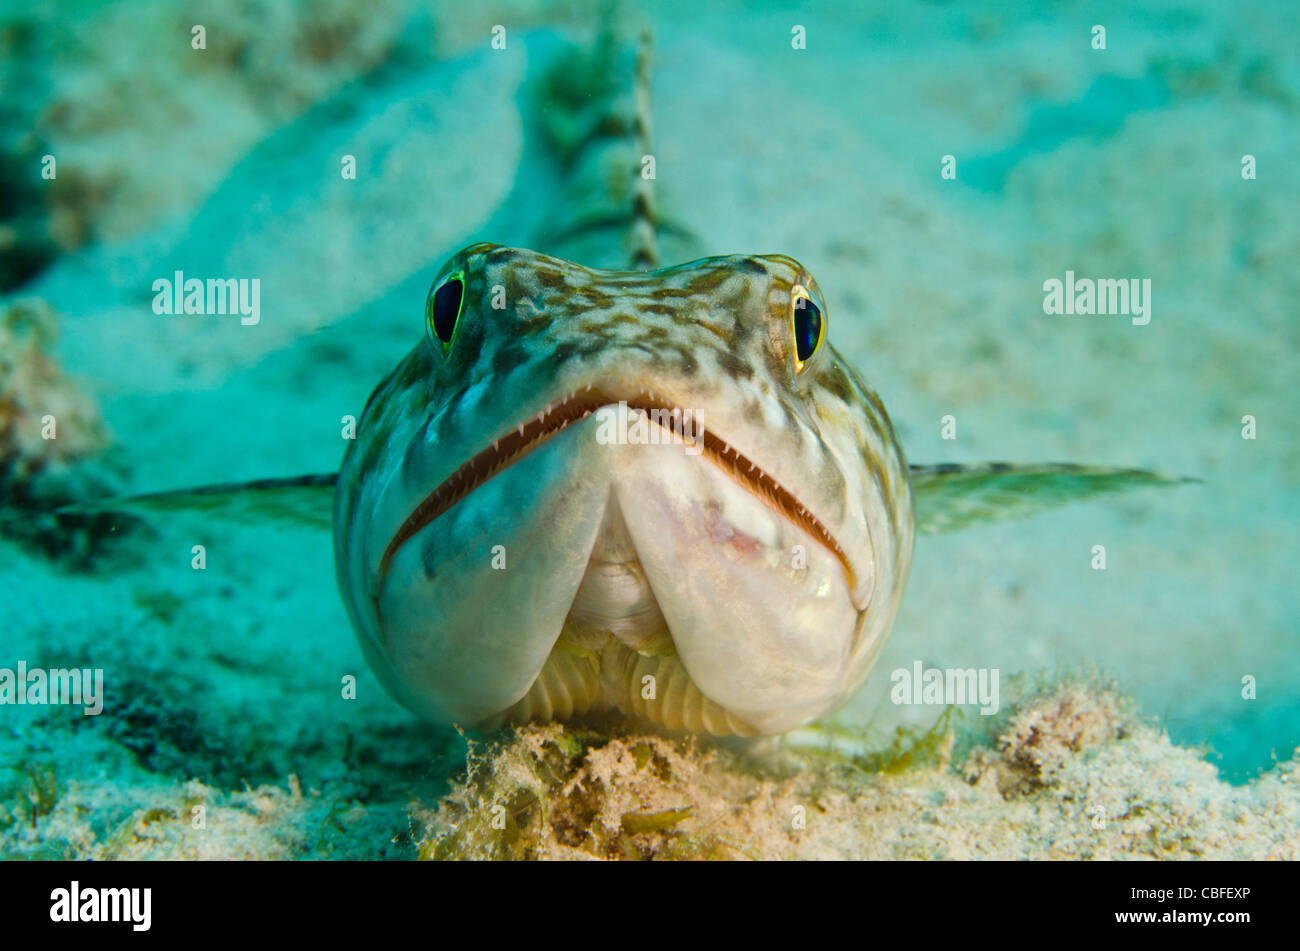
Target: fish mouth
527 436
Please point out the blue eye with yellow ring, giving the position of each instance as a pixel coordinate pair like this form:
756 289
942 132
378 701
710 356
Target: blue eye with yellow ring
807 325
444 307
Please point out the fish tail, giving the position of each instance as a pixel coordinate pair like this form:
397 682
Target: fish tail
597 119
643 239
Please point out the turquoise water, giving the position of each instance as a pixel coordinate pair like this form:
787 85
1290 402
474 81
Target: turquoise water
1113 163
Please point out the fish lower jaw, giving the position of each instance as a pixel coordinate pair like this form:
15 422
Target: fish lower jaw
615 652
650 687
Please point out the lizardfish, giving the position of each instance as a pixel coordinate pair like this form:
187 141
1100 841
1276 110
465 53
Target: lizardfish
662 492
657 491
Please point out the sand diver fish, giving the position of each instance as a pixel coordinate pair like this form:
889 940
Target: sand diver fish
508 551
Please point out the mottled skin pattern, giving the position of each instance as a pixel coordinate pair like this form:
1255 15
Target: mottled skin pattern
713 336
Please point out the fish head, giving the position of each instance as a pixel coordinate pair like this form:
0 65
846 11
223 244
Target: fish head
620 467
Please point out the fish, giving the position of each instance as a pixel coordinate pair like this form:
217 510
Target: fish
654 491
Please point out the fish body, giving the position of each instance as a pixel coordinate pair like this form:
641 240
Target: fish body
509 548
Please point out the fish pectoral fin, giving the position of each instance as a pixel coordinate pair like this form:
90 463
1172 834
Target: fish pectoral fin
299 500
952 497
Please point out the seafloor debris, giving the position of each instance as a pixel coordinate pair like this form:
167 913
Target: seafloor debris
1097 783
42 819
1070 776
46 420
51 436
548 792
1045 735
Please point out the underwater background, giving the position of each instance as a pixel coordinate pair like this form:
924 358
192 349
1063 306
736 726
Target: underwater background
1122 162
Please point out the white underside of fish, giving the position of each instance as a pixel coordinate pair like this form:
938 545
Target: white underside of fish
615 651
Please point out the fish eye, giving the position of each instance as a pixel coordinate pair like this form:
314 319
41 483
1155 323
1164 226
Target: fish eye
443 308
807 324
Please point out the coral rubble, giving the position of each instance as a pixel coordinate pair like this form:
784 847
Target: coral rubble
1070 775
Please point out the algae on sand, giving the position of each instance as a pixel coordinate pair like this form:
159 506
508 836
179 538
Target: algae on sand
1070 775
